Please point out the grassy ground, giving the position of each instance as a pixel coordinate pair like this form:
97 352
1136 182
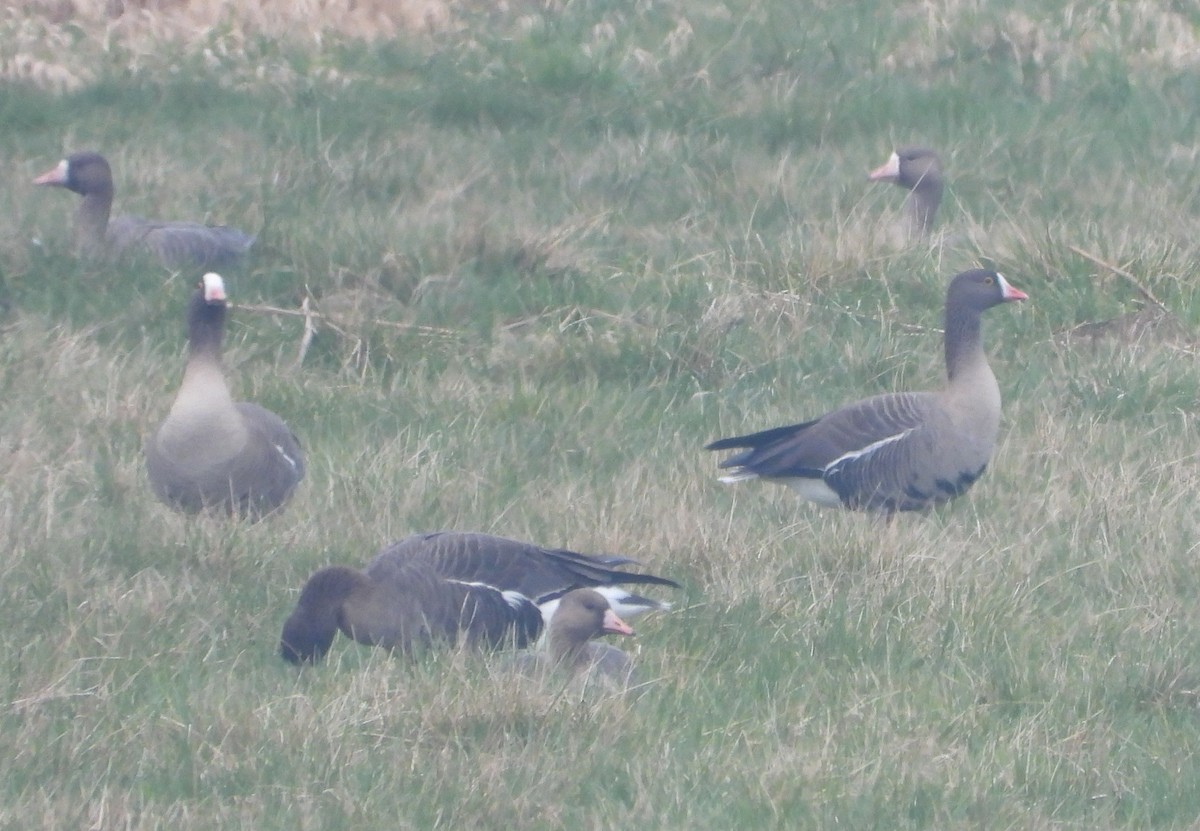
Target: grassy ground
560 247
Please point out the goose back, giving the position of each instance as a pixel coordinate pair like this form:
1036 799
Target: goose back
179 245
532 570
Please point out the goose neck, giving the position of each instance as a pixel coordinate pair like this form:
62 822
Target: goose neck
91 219
206 329
963 344
566 648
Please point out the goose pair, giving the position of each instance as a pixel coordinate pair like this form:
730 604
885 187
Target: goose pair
902 451
211 452
448 587
177 245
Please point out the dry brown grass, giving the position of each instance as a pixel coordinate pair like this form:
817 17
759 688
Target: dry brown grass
41 44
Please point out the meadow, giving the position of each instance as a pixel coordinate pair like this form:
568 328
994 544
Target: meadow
555 248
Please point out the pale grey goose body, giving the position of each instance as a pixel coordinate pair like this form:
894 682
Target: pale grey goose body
213 453
443 587
177 245
582 615
918 170
898 451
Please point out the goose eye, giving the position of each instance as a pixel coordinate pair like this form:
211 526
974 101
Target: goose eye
989 280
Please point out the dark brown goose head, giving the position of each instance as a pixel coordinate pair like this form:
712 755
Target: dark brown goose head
310 629
918 170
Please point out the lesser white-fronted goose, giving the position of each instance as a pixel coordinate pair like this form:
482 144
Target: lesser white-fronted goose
211 452
177 245
919 170
582 615
899 451
440 587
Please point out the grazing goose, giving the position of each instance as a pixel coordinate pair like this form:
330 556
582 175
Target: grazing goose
178 245
920 171
211 452
582 615
437 587
902 451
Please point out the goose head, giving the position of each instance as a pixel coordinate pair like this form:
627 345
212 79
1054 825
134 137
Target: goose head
83 173
582 615
918 170
309 631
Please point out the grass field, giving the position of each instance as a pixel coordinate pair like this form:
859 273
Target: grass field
558 247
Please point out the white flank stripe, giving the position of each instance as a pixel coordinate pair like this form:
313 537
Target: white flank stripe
284 454
512 598
868 450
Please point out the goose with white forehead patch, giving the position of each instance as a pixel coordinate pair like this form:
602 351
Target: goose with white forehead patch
212 453
177 245
919 171
903 451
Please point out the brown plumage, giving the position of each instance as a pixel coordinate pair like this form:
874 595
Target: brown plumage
443 587
898 451
919 171
177 245
582 615
213 453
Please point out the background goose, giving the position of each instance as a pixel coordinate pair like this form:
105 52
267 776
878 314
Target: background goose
919 170
442 586
211 452
177 245
899 451
582 615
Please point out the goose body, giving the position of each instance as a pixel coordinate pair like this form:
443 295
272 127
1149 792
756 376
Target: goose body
442 588
582 615
919 171
212 452
899 451
177 245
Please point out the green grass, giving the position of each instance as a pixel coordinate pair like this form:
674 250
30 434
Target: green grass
559 250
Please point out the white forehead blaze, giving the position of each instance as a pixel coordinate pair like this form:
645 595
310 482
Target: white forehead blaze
63 171
214 287
892 167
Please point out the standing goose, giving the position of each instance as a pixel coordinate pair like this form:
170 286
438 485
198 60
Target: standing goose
583 614
903 451
918 169
178 245
212 453
437 587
